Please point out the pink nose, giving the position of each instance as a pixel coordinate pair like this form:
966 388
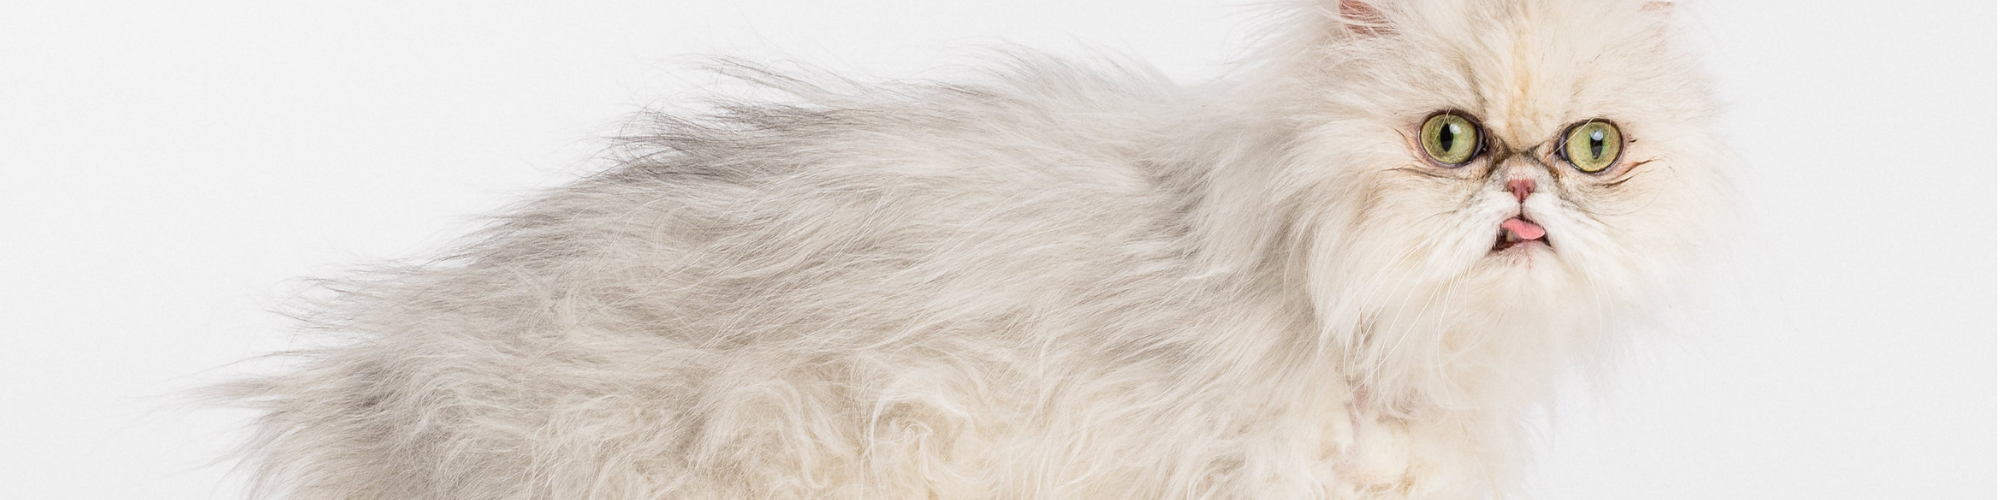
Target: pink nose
1521 188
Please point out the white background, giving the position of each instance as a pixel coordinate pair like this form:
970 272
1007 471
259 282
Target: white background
168 169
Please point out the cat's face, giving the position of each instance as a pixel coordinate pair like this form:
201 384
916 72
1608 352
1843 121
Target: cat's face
1539 163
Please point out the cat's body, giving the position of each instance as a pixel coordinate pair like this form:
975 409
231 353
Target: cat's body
1065 282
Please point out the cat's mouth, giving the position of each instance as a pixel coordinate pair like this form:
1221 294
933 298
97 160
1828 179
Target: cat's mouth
1519 231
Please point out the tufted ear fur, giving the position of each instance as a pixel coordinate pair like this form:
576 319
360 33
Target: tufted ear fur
1363 18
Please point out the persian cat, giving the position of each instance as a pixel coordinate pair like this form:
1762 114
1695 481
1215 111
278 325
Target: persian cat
1351 269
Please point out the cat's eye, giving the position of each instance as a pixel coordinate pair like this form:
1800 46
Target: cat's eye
1592 146
1450 139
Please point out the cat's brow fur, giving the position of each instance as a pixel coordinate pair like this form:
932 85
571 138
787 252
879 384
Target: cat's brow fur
1062 280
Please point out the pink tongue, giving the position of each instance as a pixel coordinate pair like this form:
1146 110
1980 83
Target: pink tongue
1523 229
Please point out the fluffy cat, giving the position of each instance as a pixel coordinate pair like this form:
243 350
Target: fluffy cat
1350 270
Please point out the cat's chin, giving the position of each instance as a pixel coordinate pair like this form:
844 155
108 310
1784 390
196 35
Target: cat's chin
1520 250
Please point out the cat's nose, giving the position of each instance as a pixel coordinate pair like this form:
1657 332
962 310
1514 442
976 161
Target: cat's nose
1521 188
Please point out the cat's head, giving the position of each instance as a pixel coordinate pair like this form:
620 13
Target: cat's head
1501 168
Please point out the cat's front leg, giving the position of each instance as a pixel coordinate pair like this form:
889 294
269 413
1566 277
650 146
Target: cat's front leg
1374 460
1395 458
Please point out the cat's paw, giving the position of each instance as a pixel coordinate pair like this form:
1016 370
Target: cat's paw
1378 461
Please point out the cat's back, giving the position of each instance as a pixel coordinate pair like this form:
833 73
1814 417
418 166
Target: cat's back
969 200
849 262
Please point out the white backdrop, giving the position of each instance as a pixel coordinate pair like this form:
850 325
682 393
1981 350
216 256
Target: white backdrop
167 167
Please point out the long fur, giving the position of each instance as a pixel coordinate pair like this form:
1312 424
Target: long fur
1062 280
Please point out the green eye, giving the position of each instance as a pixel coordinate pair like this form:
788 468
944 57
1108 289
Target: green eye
1450 139
1592 146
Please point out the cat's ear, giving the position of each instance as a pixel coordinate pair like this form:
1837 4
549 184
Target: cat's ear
1362 18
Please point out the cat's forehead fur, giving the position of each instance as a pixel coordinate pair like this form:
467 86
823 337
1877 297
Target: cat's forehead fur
1525 68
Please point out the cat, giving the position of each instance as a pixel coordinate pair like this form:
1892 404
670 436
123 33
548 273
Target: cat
1351 269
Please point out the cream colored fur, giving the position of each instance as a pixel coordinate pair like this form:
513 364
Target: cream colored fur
1064 281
